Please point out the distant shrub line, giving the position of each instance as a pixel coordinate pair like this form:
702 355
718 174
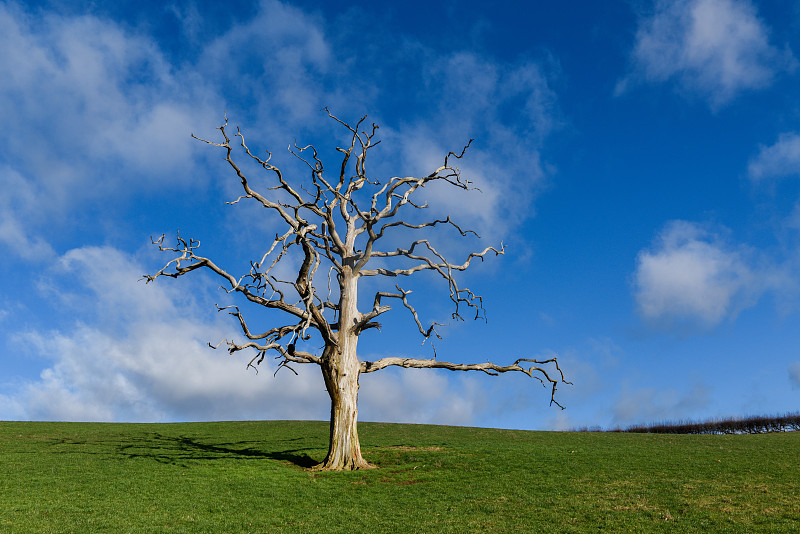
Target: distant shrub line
738 425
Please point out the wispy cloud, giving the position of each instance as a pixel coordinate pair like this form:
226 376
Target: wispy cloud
794 374
777 160
713 48
93 112
17 213
509 109
280 63
82 89
100 111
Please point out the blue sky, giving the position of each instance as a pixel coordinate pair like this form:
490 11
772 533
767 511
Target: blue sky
640 160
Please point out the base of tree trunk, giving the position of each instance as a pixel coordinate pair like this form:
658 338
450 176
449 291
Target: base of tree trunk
341 381
344 466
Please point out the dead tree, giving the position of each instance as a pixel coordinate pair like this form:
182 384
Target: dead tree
334 224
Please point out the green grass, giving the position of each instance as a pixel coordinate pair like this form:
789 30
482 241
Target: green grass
250 477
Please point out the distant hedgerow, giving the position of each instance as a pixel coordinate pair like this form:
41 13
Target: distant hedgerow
737 425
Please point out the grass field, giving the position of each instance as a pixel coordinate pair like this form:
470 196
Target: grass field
251 477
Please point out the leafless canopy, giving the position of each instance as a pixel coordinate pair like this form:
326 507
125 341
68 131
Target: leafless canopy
335 223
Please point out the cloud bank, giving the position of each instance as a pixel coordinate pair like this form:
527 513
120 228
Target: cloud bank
140 353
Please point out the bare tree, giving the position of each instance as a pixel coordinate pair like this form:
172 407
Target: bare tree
335 224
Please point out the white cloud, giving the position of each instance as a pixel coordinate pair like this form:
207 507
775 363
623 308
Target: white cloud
717 48
777 160
89 107
691 274
145 358
160 371
420 396
80 88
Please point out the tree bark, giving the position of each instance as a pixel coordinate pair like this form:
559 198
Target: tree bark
340 369
344 450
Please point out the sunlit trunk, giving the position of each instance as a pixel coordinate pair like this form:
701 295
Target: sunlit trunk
340 371
344 450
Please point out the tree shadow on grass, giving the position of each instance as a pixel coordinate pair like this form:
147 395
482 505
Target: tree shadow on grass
294 456
179 450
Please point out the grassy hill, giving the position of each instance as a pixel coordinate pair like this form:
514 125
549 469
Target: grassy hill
250 477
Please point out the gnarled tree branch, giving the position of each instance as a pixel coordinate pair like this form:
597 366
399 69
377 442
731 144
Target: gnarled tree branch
535 371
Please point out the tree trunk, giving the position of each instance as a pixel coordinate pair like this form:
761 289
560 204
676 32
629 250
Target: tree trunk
344 450
340 371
